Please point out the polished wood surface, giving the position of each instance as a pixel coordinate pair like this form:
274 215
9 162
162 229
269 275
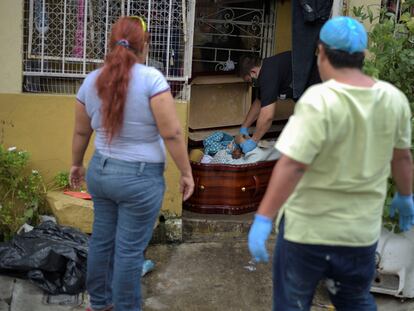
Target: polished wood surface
228 189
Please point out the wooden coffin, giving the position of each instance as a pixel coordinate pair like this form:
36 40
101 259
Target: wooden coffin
221 103
228 189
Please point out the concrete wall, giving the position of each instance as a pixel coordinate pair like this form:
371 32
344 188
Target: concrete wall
43 125
11 38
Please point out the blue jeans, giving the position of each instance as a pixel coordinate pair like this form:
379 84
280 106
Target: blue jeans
127 197
298 268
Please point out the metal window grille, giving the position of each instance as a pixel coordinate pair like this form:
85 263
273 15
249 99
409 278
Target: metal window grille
66 39
223 33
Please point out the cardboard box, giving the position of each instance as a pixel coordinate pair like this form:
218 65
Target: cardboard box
218 101
222 102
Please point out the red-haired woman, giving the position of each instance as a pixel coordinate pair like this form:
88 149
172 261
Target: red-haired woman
131 110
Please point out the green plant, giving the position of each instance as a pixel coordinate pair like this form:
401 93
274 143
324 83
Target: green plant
391 58
61 181
22 191
391 46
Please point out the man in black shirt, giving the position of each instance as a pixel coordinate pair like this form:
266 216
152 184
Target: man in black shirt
273 77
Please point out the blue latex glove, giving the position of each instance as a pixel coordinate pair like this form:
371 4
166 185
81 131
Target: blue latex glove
248 145
405 206
244 131
258 234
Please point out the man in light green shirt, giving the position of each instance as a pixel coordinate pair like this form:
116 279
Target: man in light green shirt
345 138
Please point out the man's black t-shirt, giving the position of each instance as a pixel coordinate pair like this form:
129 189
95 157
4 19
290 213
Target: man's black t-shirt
275 78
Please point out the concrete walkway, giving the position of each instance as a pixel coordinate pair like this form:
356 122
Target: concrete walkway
213 276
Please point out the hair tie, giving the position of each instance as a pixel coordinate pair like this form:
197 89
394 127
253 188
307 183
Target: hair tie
123 42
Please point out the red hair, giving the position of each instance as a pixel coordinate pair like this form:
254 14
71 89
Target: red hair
112 83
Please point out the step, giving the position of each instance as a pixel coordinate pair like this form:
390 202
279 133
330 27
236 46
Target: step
212 227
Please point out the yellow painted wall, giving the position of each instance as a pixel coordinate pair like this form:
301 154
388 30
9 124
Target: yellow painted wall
283 34
43 125
173 199
11 38
40 124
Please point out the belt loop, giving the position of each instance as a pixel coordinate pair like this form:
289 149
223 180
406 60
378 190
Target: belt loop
141 167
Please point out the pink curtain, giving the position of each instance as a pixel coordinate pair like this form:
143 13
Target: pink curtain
80 20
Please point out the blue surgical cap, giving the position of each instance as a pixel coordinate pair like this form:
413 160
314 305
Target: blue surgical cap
345 34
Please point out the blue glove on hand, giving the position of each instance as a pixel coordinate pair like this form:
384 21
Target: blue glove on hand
258 234
244 131
248 145
405 206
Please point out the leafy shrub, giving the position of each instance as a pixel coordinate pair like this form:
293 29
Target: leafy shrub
22 191
391 58
391 47
61 181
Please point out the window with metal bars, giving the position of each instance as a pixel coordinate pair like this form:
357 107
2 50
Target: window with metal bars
226 29
66 39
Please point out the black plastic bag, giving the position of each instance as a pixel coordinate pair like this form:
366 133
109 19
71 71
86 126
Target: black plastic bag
51 256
